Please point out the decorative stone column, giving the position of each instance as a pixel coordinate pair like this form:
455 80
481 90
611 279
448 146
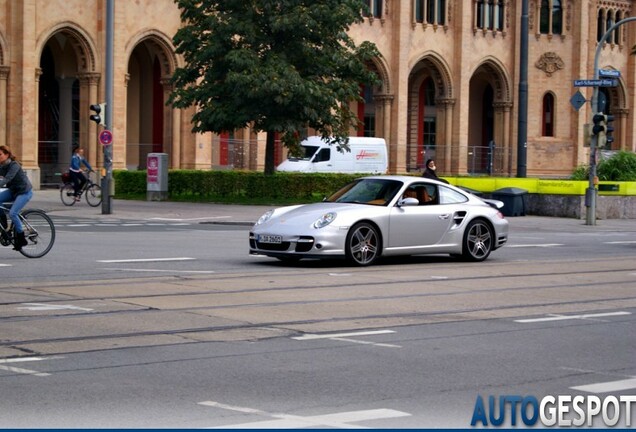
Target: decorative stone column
383 105
501 135
88 96
447 104
4 76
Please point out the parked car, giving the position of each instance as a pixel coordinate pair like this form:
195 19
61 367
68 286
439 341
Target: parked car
384 216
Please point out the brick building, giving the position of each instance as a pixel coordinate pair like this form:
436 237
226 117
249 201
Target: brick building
449 70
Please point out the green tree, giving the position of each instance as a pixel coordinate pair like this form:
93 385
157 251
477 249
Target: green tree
277 66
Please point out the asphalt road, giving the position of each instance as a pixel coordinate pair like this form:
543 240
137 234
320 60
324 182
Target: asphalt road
155 316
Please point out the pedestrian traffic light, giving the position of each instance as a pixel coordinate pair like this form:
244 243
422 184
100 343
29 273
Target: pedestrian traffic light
100 113
609 139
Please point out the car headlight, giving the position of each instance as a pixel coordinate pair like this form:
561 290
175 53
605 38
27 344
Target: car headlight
325 220
265 217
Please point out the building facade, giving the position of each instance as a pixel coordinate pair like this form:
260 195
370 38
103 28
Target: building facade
449 69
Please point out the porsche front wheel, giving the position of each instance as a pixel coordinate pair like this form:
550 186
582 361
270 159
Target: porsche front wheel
363 244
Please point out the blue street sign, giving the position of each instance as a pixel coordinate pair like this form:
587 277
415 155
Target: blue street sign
596 83
609 73
577 100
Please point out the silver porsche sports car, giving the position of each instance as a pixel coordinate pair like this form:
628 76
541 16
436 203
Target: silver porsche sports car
384 216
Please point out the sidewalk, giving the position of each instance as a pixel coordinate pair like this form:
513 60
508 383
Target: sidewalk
49 200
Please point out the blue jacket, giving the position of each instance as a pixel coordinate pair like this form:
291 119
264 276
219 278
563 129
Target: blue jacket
77 161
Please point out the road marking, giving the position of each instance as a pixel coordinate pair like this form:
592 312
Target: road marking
340 420
570 317
22 370
340 335
621 242
191 219
48 307
535 245
339 274
146 260
160 270
345 337
6 265
606 387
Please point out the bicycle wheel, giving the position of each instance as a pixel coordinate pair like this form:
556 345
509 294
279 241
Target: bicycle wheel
93 195
67 194
39 232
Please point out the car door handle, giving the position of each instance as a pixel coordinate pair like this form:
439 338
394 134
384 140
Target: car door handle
444 216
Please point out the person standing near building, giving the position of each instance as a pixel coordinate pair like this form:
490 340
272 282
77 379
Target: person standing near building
429 171
18 189
77 176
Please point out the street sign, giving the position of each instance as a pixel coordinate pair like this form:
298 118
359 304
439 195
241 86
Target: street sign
106 137
577 100
609 73
606 82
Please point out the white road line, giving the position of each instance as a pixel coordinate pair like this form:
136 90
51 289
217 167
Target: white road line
27 359
6 265
339 274
286 421
190 219
621 242
534 245
570 317
366 342
606 387
340 335
23 371
146 260
160 270
48 307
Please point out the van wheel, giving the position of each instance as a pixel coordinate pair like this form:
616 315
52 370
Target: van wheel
363 245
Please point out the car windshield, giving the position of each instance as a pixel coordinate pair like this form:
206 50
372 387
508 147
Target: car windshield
367 191
306 152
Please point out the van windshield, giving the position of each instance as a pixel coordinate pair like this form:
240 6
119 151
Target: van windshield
306 153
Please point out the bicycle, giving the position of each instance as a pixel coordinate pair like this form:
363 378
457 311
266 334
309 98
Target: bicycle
39 231
92 191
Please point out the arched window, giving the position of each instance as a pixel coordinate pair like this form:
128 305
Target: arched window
600 25
375 9
430 11
617 32
544 17
557 17
548 115
489 14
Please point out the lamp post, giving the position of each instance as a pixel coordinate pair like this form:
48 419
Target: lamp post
522 129
108 149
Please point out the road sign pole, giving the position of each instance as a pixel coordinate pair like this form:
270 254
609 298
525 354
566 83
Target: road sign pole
108 149
590 202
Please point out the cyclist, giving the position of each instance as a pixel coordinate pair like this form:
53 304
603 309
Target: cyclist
18 189
77 176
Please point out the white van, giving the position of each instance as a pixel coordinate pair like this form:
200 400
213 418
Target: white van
366 155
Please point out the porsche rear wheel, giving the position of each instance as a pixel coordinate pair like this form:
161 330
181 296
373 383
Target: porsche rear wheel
363 244
478 241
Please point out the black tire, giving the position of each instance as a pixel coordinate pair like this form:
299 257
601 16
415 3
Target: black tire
478 241
39 232
363 245
93 195
67 194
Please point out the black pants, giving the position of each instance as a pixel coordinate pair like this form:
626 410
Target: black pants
78 181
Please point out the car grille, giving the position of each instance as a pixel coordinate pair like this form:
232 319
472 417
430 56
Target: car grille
272 246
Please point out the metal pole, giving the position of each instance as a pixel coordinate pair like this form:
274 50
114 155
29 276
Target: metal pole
522 129
590 193
107 180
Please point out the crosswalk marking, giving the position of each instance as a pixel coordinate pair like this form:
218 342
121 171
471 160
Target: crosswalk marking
287 421
609 386
571 317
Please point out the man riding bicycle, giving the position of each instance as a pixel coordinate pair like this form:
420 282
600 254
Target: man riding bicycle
18 189
75 170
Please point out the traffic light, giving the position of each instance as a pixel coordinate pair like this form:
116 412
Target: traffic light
100 113
602 129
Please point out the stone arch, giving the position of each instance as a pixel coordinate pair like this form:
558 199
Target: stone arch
429 115
151 125
82 45
489 114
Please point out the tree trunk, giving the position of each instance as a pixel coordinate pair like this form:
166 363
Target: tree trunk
269 152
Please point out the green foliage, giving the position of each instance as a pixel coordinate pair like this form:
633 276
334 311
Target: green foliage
275 66
235 186
619 167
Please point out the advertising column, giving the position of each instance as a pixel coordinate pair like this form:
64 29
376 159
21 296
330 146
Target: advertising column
157 177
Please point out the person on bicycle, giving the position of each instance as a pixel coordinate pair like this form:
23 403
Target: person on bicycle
18 189
77 176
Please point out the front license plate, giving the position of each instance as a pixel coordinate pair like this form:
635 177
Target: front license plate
266 238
